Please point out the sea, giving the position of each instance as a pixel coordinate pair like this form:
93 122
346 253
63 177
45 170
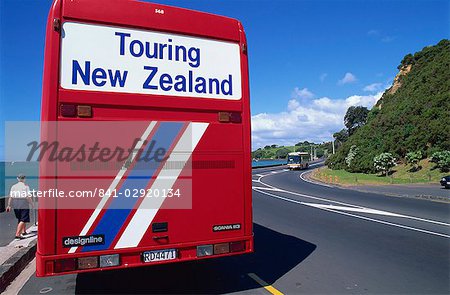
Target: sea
268 163
10 170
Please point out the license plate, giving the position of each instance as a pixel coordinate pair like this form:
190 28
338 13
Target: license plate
159 255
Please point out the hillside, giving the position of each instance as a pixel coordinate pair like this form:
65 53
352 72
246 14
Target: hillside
412 115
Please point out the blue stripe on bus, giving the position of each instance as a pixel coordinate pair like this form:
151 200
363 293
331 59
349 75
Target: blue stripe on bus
120 207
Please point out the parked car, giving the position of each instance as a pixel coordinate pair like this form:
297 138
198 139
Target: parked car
445 181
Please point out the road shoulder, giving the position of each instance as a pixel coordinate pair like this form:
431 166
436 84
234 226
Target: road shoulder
14 257
428 192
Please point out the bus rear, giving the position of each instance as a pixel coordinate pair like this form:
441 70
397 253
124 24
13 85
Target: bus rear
298 160
145 137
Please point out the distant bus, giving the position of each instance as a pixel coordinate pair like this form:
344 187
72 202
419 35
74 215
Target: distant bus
146 109
298 160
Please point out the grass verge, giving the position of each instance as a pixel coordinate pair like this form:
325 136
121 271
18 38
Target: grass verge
401 175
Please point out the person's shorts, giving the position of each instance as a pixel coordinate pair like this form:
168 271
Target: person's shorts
22 215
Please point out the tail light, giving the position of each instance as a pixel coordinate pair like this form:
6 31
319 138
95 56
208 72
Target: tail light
68 110
91 262
71 111
87 262
222 248
64 265
237 246
84 111
233 117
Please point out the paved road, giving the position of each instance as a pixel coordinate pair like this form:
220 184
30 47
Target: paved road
308 239
8 226
362 245
411 190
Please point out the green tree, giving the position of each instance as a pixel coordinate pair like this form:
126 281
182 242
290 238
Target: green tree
340 137
258 154
384 162
413 159
442 160
351 156
407 60
355 117
412 117
282 153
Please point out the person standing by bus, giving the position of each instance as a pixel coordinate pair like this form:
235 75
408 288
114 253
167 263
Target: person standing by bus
20 200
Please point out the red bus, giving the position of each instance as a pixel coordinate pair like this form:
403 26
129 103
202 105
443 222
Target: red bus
145 137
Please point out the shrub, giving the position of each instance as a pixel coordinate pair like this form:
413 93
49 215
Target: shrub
351 156
413 159
384 162
442 160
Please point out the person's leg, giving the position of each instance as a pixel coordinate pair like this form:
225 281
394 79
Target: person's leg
19 223
25 229
25 219
20 228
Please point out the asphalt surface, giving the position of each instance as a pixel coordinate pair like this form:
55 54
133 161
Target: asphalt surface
309 239
411 190
8 226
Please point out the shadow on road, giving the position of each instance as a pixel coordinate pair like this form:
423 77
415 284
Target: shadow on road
275 255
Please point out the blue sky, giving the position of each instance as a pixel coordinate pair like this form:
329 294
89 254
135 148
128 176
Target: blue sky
309 60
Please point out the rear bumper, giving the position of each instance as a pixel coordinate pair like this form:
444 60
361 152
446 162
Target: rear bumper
297 166
129 258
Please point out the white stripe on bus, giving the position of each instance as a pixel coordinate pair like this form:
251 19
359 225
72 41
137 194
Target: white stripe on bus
149 207
114 183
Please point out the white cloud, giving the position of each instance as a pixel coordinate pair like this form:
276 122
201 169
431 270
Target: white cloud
302 93
376 34
293 104
348 78
315 120
387 39
373 33
323 77
373 87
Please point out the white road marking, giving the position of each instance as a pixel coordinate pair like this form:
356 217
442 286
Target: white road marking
391 223
312 182
357 216
309 196
259 181
353 209
355 206
266 188
375 211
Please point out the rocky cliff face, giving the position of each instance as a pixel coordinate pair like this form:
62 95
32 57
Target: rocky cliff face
398 79
404 70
